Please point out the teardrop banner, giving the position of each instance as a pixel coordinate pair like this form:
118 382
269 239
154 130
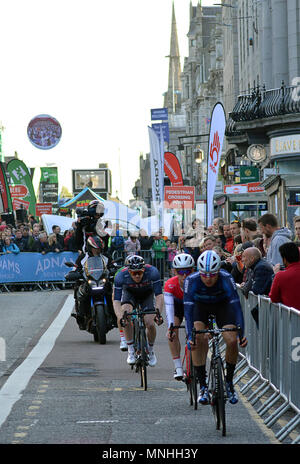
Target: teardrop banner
5 197
19 175
215 144
172 169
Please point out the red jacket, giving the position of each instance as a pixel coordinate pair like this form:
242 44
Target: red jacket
229 245
286 286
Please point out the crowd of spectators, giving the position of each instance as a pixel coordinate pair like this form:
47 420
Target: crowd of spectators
260 255
31 237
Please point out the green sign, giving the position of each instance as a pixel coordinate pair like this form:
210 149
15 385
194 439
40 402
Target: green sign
249 174
19 175
49 175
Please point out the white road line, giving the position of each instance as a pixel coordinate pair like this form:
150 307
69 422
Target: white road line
96 422
13 388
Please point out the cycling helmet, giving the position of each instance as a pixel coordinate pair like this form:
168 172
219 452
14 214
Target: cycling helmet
183 261
135 263
94 242
96 207
209 262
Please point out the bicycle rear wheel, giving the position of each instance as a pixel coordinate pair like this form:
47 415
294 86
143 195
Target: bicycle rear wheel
217 392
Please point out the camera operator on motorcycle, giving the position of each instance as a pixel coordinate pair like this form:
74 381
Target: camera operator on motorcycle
91 240
89 222
139 283
94 247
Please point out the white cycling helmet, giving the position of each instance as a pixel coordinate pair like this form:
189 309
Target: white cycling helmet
183 261
209 262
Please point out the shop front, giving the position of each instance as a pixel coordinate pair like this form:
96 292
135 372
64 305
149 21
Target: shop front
241 201
284 188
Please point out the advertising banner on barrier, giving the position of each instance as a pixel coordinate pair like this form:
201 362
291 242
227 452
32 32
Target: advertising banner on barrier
35 267
215 144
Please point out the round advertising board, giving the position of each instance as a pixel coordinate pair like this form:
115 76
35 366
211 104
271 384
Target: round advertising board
44 131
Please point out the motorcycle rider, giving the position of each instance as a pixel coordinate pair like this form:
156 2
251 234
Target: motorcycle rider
94 247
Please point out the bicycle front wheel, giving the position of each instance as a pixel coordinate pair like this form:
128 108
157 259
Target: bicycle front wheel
217 392
194 386
144 359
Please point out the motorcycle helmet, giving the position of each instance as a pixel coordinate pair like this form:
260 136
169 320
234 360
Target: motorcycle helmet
94 242
183 261
135 263
96 207
209 262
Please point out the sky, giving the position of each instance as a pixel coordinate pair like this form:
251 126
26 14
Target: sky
98 67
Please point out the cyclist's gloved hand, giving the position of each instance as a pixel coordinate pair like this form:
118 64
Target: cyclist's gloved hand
158 318
188 344
243 342
170 334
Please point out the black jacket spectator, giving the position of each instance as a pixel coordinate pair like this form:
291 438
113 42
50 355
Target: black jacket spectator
260 273
20 241
41 245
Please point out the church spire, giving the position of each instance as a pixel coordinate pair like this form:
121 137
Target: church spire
174 82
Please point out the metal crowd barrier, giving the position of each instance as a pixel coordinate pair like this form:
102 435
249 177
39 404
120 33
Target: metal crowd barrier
273 355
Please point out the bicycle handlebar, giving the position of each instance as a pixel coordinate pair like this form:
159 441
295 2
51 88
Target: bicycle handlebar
139 313
216 332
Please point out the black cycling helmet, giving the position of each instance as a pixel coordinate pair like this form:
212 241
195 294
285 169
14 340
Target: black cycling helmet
135 263
96 207
94 242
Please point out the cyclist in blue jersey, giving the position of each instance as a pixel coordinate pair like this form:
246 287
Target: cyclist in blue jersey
139 283
212 291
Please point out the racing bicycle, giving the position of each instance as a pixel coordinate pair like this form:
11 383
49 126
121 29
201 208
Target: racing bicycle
189 377
140 339
216 378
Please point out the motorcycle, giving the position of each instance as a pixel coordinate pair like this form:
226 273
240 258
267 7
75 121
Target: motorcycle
96 281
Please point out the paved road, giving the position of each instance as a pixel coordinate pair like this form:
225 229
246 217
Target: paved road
85 393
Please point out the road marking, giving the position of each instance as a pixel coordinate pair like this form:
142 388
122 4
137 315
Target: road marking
15 385
96 422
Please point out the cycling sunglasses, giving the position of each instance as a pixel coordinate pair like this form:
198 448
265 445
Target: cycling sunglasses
136 273
184 271
208 274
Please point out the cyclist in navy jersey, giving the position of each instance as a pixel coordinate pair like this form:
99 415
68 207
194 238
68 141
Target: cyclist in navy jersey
138 283
212 291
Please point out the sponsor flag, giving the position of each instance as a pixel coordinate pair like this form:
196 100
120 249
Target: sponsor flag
156 166
172 168
19 175
215 144
5 196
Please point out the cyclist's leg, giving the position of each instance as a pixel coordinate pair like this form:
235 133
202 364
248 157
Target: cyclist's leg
119 313
175 348
174 345
127 304
199 354
226 320
148 303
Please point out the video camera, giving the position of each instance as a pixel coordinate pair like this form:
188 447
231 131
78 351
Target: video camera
85 215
